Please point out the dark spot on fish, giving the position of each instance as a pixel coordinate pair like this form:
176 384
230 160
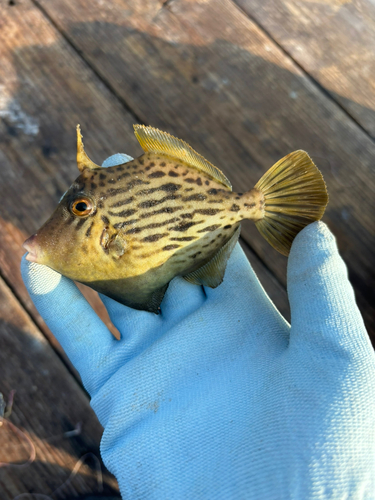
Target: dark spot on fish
190 180
209 228
88 232
92 177
249 205
105 219
93 185
100 204
167 210
120 225
199 181
183 226
234 208
189 189
136 182
160 224
112 181
128 167
152 164
156 174
134 230
170 187
162 164
171 247
207 183
154 237
80 223
152 203
120 168
173 174
140 161
195 197
208 211
184 238
187 216
114 192
227 227
124 213
212 191
102 177
101 184
193 256
122 202
215 201
122 176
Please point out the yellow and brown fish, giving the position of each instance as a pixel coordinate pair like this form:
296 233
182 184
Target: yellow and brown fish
127 230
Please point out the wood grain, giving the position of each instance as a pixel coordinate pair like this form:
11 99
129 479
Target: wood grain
205 72
50 415
333 41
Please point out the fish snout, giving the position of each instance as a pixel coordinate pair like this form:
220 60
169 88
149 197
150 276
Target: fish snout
32 246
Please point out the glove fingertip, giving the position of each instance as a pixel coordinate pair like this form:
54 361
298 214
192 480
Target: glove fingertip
322 300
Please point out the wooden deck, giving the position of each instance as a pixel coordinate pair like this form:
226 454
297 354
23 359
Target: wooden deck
244 82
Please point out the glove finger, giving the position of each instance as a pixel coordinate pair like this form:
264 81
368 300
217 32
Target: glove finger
139 329
246 296
323 308
180 300
83 336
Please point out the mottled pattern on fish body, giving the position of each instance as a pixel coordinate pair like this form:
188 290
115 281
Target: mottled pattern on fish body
127 230
155 218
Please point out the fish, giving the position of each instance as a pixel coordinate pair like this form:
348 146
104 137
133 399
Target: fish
127 230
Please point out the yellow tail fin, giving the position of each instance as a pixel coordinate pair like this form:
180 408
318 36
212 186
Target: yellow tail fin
295 195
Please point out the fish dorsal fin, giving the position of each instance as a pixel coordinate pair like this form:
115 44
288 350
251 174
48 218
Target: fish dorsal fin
212 273
154 140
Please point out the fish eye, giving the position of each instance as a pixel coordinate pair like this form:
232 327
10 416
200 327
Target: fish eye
82 207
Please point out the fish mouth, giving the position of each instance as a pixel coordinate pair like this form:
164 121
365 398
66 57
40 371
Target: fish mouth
33 248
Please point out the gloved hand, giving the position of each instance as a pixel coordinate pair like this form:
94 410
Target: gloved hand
218 397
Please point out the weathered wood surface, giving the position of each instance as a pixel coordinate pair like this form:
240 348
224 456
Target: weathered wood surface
207 73
333 41
51 426
202 70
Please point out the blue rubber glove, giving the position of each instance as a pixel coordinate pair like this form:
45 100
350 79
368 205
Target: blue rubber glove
218 397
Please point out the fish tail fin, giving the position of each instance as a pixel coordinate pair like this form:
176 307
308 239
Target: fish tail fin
295 195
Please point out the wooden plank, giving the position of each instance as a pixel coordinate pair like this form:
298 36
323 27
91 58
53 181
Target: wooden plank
333 40
206 73
51 426
46 90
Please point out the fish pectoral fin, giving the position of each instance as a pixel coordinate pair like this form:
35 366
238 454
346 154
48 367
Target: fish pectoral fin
116 246
212 273
155 141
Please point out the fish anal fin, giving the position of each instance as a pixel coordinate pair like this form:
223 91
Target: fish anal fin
153 304
212 273
155 141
